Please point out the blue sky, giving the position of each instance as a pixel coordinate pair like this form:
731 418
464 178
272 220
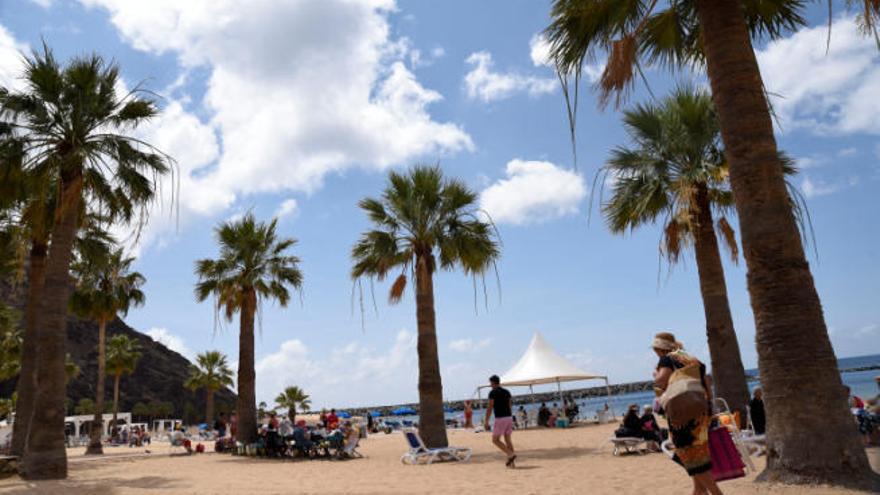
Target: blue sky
299 109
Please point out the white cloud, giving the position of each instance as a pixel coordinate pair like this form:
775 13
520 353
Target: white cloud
539 51
171 341
43 3
11 52
851 151
438 52
288 207
533 192
837 92
469 345
814 188
289 99
352 374
483 83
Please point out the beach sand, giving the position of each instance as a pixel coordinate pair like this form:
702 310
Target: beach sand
576 460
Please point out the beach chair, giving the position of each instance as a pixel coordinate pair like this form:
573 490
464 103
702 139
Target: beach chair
418 452
628 445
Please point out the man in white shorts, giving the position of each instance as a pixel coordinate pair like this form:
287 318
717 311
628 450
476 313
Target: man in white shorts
501 404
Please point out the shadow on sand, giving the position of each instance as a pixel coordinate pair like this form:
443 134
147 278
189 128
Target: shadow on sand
99 486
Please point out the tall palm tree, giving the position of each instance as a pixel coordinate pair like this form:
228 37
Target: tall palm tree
74 128
105 288
791 335
253 266
292 398
10 342
211 373
123 354
424 221
675 171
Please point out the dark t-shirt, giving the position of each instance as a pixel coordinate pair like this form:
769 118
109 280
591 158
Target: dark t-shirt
501 402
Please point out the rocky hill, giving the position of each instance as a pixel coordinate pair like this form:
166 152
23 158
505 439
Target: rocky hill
159 375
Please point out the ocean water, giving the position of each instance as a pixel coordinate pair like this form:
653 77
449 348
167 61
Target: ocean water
861 383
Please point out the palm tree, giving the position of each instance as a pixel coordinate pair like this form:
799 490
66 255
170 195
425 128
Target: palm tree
211 373
105 288
424 221
72 125
791 335
122 357
253 266
676 171
10 343
292 398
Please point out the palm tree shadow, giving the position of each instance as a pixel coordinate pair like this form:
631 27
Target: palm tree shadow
101 486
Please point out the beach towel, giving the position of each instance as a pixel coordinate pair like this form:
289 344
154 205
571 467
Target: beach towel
726 461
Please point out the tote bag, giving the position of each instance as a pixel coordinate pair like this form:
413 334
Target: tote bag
726 461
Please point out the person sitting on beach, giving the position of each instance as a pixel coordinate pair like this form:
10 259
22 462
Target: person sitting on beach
756 412
632 424
352 437
332 420
220 425
691 439
543 415
178 439
855 402
523 417
651 429
285 428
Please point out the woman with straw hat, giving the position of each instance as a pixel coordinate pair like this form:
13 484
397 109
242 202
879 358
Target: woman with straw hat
691 438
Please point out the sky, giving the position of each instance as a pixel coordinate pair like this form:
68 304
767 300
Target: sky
299 109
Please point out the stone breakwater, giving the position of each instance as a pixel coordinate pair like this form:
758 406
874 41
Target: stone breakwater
576 394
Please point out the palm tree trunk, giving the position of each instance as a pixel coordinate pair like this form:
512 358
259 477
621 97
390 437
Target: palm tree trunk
209 406
45 456
432 424
727 368
247 401
116 380
27 377
810 433
98 421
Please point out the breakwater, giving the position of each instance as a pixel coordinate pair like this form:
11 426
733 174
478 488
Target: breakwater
518 399
575 394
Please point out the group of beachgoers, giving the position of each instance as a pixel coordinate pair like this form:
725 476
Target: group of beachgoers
867 415
282 437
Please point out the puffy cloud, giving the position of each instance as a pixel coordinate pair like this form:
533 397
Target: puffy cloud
833 92
814 188
288 207
468 345
350 375
483 83
539 51
11 66
171 341
289 99
533 192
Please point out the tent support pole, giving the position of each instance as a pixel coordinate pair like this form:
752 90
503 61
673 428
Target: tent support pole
559 389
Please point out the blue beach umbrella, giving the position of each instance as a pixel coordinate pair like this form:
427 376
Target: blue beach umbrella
375 414
343 415
403 411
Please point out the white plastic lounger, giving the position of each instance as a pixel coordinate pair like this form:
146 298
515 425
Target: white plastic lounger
628 445
418 452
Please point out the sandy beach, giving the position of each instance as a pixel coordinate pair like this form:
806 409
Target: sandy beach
577 460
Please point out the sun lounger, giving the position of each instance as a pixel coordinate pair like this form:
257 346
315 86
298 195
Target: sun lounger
418 452
628 445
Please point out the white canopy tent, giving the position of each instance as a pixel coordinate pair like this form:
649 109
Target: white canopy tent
541 364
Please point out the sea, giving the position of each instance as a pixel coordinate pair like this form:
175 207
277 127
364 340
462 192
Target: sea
861 383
